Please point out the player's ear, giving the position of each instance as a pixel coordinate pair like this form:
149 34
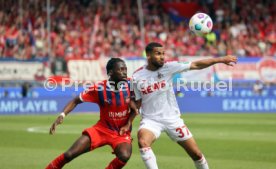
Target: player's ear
110 73
148 55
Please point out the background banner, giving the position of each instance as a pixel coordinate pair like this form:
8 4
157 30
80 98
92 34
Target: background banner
18 70
239 100
248 69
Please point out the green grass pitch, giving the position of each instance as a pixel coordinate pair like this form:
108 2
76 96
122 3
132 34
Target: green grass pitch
229 141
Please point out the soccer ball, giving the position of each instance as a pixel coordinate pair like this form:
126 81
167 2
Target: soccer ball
201 23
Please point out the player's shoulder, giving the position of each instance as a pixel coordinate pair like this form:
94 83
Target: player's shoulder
170 63
138 71
129 80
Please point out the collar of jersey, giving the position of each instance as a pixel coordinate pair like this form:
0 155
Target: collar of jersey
109 86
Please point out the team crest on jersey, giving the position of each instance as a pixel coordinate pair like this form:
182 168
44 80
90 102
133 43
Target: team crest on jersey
159 75
108 101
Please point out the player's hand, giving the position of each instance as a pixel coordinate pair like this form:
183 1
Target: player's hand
136 111
58 121
229 60
124 129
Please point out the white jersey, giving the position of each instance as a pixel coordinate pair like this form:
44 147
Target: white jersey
156 90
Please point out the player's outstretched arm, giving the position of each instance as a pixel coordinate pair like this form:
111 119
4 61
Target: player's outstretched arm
67 109
133 112
201 64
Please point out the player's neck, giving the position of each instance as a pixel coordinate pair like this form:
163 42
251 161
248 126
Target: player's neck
113 84
151 67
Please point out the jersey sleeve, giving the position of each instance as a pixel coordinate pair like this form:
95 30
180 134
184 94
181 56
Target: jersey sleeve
136 91
89 95
178 67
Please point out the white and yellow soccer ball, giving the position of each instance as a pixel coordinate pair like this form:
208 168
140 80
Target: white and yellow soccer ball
201 24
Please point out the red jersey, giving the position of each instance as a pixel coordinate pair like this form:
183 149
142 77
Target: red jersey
114 105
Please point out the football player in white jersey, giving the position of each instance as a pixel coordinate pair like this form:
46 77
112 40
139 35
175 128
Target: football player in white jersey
159 110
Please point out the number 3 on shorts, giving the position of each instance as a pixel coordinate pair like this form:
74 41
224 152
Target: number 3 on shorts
181 130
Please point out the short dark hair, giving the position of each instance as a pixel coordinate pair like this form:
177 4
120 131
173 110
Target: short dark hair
150 46
110 64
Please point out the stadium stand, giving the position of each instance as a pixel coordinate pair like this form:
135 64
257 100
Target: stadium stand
244 28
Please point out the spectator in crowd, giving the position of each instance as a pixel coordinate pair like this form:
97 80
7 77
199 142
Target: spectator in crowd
94 29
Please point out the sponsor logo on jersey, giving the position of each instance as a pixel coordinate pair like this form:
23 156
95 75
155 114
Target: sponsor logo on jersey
159 75
108 101
153 87
119 114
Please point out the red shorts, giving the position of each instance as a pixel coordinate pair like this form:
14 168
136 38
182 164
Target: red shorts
100 136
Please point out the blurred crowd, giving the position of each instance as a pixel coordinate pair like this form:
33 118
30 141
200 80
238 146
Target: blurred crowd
90 29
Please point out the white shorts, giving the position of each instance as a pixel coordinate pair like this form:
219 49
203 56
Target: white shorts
176 129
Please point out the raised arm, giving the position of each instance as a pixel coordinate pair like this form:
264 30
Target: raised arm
201 64
67 109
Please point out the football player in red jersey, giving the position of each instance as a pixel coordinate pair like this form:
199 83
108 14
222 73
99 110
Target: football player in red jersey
117 112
